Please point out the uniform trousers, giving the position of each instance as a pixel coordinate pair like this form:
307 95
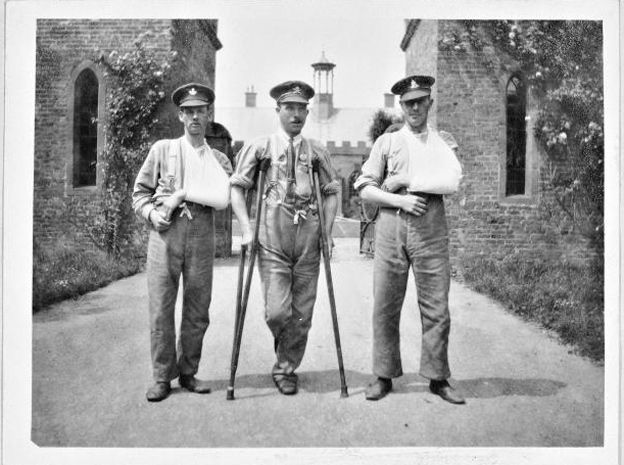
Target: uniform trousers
404 241
288 261
186 248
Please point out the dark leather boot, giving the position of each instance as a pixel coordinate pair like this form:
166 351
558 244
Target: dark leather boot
443 389
378 389
192 384
159 391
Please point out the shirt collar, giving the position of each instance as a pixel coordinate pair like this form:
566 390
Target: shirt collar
286 138
199 149
419 136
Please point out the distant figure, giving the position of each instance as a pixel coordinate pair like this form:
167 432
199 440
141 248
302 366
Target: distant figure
289 252
407 173
179 186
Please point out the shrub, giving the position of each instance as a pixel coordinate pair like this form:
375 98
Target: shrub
381 122
561 296
62 271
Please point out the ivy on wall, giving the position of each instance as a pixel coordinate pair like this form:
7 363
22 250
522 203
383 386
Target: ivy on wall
562 63
135 90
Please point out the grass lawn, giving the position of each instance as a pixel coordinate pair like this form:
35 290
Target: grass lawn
563 297
62 271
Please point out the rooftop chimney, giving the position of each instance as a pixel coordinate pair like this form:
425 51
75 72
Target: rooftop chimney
388 100
250 97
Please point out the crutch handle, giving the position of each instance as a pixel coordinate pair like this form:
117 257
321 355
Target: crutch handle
264 164
316 163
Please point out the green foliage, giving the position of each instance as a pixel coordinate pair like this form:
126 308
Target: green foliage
135 83
562 63
381 122
560 296
60 271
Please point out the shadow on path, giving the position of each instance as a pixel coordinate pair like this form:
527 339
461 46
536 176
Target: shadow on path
326 381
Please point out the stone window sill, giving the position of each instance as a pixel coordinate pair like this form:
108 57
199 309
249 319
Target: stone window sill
83 191
519 201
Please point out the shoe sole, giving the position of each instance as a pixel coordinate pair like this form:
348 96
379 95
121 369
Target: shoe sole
157 399
189 389
455 402
377 397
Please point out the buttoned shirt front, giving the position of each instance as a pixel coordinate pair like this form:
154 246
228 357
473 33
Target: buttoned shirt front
275 146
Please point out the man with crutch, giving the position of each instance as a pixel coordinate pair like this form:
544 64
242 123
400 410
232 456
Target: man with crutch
289 233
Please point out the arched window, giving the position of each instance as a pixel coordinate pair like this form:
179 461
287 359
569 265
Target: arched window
85 129
516 137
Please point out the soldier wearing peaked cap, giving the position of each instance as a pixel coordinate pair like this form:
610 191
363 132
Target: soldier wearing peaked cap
407 174
180 184
289 252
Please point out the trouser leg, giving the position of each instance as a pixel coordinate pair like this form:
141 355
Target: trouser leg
276 282
390 272
305 273
288 260
197 287
431 267
164 263
432 280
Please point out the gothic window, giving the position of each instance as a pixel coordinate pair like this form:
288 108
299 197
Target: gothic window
85 127
516 137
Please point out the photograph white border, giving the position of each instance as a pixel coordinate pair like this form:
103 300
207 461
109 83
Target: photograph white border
19 103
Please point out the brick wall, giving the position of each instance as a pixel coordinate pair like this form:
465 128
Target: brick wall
470 104
63 47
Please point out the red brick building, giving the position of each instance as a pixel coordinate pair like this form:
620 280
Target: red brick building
491 113
70 109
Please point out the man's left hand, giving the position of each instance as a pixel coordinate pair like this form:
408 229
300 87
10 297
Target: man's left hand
396 182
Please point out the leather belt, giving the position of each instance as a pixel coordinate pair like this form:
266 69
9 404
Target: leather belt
195 205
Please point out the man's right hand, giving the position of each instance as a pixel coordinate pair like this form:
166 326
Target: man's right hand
413 204
158 221
247 236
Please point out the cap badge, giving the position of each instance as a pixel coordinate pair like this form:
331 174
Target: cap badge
192 91
413 84
297 90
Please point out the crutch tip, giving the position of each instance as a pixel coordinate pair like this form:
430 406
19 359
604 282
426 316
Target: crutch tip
230 393
344 393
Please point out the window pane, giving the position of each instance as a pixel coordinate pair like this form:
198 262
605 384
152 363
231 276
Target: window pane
516 137
85 128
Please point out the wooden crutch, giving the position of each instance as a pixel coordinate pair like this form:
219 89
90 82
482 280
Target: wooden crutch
242 295
328 275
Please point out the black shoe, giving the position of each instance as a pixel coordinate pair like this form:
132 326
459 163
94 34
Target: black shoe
378 389
190 383
443 389
286 384
158 391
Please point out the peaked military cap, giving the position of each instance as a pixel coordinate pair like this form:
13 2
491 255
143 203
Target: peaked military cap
192 94
413 87
292 91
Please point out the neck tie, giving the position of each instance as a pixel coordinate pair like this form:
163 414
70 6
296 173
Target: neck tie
290 168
